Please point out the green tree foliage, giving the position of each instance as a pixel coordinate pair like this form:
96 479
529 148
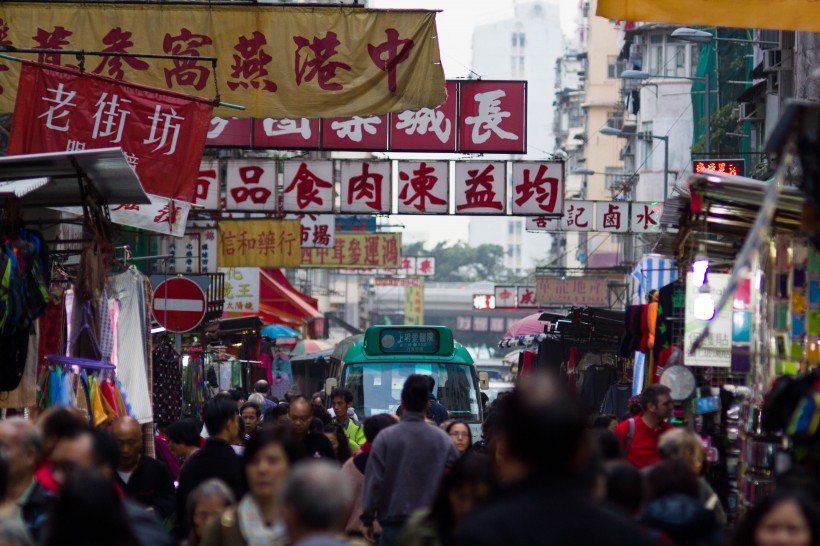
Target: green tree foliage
463 263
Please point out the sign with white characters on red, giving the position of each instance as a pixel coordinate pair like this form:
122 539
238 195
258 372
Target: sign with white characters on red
179 304
307 186
286 134
365 187
356 133
526 296
250 185
578 216
424 187
426 130
229 132
318 230
645 217
504 297
208 185
538 187
493 116
613 217
426 266
480 187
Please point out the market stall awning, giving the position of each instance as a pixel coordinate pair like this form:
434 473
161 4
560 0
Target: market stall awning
282 303
57 179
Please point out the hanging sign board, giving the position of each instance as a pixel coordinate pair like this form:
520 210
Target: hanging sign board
716 350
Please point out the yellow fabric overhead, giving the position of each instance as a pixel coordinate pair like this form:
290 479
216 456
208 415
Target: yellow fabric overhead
278 62
781 14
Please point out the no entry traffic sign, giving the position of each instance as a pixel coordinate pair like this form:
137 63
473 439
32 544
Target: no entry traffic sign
179 304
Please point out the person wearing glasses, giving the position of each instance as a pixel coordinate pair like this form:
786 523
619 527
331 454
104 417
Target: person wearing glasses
462 437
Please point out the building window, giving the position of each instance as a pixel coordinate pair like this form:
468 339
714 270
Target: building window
615 120
646 147
613 177
576 117
613 70
518 39
676 60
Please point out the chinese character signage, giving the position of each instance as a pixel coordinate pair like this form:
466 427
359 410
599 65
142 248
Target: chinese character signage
208 185
207 250
414 304
250 185
229 132
716 349
407 266
612 216
645 217
397 281
307 186
357 251
526 296
426 266
732 167
161 216
161 133
481 187
259 243
426 129
493 116
286 134
318 230
278 62
424 187
538 188
356 133
543 223
505 297
241 289
574 291
366 187
578 216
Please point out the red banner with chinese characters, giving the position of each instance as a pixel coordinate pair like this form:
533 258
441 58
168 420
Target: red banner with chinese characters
161 133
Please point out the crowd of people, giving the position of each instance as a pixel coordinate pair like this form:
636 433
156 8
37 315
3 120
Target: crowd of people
259 471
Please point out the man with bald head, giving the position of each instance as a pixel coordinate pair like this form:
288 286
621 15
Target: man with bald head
143 479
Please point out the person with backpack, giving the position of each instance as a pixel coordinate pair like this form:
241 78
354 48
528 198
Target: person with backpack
639 435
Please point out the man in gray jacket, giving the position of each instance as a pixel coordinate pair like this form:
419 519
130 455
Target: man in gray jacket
405 465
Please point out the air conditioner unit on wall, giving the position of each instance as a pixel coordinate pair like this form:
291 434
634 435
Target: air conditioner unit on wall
772 60
751 111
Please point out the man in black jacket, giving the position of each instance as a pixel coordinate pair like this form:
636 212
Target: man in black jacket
216 459
143 479
541 454
314 445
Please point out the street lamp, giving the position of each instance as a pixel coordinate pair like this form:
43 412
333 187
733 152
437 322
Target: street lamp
641 75
611 131
696 36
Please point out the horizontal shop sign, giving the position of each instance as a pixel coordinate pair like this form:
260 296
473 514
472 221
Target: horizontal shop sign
611 216
477 117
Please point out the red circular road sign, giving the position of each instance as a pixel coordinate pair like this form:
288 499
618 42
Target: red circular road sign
179 304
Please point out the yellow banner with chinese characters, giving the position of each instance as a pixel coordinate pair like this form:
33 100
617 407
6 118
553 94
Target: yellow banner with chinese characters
414 304
782 14
357 250
259 243
276 61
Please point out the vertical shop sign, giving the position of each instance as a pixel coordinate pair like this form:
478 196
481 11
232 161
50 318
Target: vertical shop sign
480 187
504 297
538 188
307 186
526 296
208 185
286 134
414 304
250 185
424 187
578 216
365 187
493 116
408 265
241 289
426 266
426 129
208 241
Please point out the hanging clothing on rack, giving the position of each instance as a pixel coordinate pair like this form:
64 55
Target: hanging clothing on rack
167 383
616 400
597 380
24 395
130 359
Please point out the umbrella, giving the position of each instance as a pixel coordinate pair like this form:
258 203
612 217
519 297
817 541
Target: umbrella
527 326
275 331
307 346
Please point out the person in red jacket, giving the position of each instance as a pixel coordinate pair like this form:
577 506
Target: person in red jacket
639 435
